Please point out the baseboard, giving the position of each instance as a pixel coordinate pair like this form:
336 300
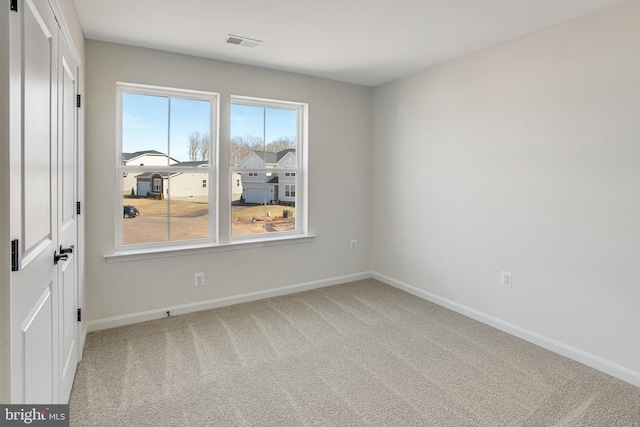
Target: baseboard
580 356
83 338
112 322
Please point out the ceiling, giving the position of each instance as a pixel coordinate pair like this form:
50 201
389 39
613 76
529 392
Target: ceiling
368 42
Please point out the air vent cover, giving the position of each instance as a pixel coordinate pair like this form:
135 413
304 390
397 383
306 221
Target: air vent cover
243 41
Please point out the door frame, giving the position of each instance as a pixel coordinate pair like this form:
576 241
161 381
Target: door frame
67 35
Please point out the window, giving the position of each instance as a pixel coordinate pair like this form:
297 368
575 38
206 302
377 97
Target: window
290 191
166 154
157 185
167 173
268 138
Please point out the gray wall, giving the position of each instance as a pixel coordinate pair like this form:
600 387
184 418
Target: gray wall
524 158
339 184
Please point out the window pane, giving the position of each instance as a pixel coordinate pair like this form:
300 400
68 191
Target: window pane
249 212
247 136
189 206
145 129
265 132
145 217
262 207
190 124
280 129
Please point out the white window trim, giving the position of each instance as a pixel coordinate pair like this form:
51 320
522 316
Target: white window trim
213 169
301 169
196 249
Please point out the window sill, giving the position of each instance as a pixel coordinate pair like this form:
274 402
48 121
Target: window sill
185 250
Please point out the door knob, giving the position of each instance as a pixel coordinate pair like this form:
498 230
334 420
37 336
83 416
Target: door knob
68 250
57 258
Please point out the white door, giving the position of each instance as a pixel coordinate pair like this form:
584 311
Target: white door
67 219
34 205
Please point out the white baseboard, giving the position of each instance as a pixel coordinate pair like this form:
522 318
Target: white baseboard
128 319
83 338
580 356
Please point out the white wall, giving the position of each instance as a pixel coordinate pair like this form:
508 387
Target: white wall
339 140
525 158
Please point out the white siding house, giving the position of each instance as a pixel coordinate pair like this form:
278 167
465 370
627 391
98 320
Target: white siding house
261 187
236 187
142 158
192 186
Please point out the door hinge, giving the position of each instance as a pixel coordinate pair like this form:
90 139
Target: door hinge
77 208
79 315
14 5
79 100
15 255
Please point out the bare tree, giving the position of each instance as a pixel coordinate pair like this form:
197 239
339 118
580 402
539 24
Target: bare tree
198 146
241 146
282 143
194 142
204 147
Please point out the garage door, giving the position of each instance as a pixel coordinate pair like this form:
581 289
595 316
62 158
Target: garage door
254 195
144 187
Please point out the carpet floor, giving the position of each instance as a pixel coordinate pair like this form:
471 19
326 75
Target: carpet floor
357 354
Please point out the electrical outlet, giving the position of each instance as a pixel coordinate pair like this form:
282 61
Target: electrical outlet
505 279
354 244
199 278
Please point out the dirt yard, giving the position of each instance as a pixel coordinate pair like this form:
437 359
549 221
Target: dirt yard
190 220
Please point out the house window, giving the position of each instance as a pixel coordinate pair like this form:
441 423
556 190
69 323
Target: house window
268 138
290 191
157 185
167 143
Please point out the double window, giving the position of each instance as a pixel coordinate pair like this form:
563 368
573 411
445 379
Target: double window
167 163
290 190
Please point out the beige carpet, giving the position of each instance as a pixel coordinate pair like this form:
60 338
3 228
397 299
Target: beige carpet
357 354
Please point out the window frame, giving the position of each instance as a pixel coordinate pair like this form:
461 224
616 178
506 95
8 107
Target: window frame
211 171
156 184
300 172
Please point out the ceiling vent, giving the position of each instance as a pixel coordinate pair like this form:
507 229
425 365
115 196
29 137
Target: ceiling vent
243 41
